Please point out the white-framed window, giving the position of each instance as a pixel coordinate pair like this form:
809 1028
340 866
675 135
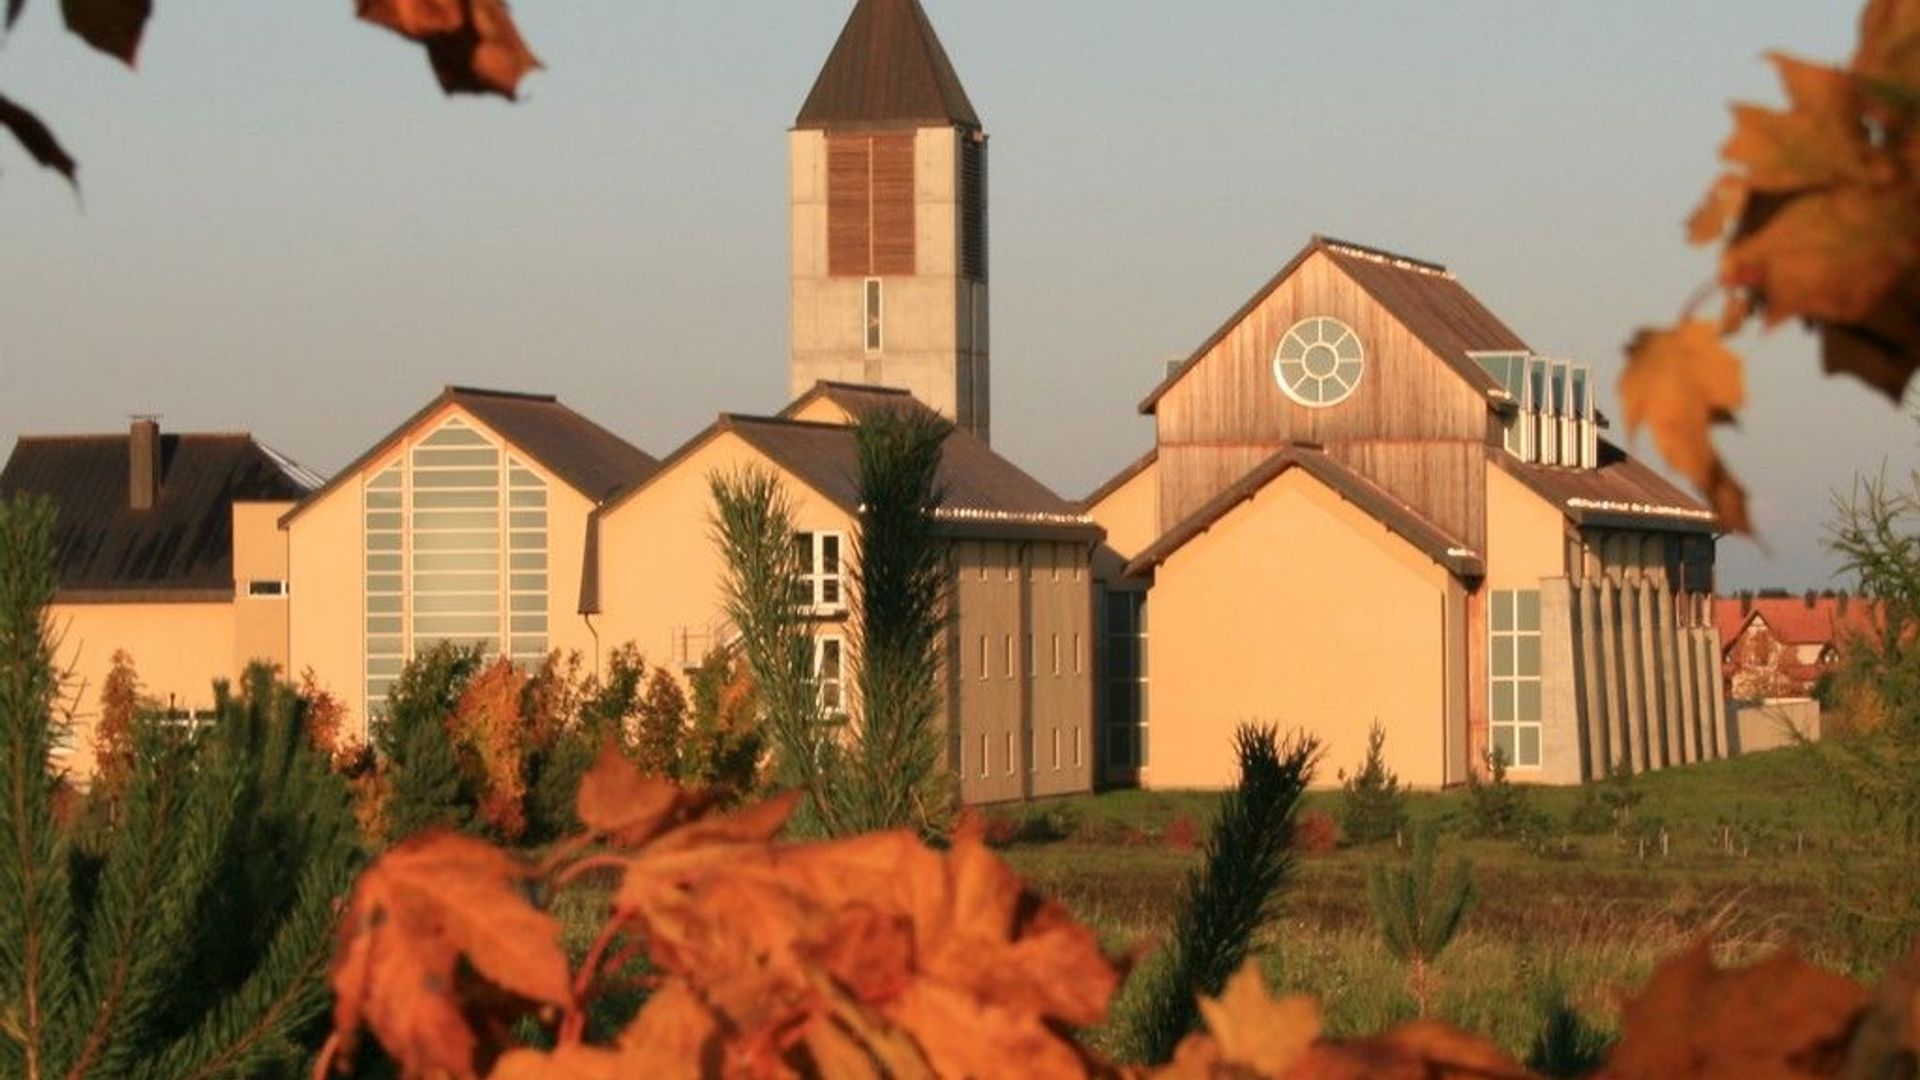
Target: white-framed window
454 542
1009 656
875 318
1553 422
267 588
1513 661
1056 749
830 673
1056 654
823 577
984 767
1079 657
1009 753
1076 746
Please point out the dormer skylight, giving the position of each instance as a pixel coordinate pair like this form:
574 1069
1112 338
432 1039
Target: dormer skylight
1553 421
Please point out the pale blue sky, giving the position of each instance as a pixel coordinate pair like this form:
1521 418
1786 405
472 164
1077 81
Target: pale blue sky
287 229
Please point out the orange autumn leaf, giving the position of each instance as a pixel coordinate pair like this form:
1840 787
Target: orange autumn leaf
1256 1032
1831 256
617 801
1779 1018
1680 382
1421 1050
675 1036
1889 48
414 916
473 45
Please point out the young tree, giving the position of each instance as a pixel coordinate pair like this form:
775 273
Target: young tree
663 725
1419 914
1232 895
1372 805
753 524
187 939
427 790
899 618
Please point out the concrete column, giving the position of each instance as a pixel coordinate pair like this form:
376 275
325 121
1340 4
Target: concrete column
1560 738
1593 712
1670 678
1686 669
1719 697
1646 631
1612 675
1633 697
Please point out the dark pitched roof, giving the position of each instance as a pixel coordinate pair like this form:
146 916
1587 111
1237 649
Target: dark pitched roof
1423 296
182 548
1383 507
887 70
587 457
1619 492
1118 480
853 398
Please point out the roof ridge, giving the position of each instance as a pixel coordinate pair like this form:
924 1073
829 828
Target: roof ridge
453 390
111 436
1391 258
727 418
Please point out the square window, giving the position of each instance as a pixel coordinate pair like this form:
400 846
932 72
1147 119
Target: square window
1504 742
1527 752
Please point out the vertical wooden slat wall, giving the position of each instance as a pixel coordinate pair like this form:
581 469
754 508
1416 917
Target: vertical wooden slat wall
870 205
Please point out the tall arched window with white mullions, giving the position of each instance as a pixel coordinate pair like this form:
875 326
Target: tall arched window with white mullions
456 548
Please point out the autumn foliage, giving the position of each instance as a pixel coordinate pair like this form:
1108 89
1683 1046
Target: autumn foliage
1818 215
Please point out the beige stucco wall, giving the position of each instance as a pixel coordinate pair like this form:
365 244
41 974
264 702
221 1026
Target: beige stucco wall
259 554
1527 548
178 650
1131 512
1297 609
934 323
325 546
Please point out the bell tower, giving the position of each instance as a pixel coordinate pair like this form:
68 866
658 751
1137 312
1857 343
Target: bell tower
888 205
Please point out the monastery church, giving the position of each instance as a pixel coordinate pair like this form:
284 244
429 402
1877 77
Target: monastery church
1368 502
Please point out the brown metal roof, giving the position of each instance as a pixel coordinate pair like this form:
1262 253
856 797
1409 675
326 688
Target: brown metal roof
887 70
182 548
1621 492
852 398
1382 506
587 457
1423 296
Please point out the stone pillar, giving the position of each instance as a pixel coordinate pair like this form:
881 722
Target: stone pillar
1685 670
1612 675
1560 738
1671 675
1593 701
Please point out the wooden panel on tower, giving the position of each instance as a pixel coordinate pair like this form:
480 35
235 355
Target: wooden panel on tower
893 195
849 206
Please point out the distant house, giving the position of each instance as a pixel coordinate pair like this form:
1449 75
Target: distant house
166 548
1780 646
1369 501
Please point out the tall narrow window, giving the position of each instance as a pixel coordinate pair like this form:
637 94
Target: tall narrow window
1056 654
984 766
829 674
1009 753
1514 676
1009 656
983 656
822 570
1056 749
875 317
385 591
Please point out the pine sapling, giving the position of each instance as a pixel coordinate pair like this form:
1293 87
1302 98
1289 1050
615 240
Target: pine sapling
1373 807
1418 913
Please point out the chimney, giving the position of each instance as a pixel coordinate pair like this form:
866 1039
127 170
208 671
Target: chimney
143 463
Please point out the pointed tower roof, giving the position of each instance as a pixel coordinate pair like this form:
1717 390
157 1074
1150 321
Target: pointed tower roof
887 70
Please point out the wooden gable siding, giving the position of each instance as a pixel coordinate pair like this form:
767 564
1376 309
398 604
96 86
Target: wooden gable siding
870 205
1424 422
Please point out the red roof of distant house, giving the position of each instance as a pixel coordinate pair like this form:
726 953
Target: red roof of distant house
1793 621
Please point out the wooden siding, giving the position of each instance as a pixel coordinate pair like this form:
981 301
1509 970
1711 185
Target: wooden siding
870 205
1424 423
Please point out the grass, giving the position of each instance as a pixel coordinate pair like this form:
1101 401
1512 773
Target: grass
1744 859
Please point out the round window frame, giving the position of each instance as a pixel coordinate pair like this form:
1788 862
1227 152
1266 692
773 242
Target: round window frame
1289 389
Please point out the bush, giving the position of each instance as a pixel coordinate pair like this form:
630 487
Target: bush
1316 833
1590 816
1182 834
425 787
1373 806
1498 808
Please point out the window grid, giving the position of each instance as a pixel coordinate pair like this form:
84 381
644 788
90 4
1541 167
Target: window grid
823 569
829 673
1514 720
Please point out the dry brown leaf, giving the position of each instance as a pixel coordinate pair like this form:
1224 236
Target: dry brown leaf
1788 151
628 808
414 18
1256 1032
1884 349
1779 1018
474 46
674 1037
37 139
1830 255
1890 42
569 1061
414 914
112 26
1680 381
1725 201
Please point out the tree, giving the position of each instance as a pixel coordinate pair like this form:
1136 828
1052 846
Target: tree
1232 895
1819 216
663 725
1372 805
900 620
413 737
1419 914
188 937
474 48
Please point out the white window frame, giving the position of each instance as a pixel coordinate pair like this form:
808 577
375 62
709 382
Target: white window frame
1509 684
832 693
274 588
873 306
814 576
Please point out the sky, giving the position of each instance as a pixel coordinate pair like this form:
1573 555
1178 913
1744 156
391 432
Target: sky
285 228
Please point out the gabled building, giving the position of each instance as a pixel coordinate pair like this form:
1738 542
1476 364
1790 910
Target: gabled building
165 548
1780 646
1369 501
1018 658
467 523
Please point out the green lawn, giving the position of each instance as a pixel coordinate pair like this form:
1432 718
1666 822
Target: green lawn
1745 858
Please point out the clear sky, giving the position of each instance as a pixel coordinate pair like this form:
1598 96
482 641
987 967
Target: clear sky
286 229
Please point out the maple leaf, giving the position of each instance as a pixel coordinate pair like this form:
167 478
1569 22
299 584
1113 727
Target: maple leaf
1780 1017
112 26
569 1061
1832 255
473 45
37 139
1819 140
616 800
674 1037
1889 48
1255 1031
1681 381
413 916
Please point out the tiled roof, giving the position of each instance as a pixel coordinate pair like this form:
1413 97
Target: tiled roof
1422 296
1620 492
1793 621
587 457
180 548
1376 501
888 69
